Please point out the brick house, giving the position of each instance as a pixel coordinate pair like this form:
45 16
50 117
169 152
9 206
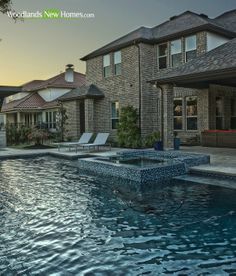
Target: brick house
180 75
37 102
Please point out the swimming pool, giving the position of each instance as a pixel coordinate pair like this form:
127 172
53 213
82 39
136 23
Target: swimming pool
56 220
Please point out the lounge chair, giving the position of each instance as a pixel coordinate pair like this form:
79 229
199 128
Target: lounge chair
84 139
100 140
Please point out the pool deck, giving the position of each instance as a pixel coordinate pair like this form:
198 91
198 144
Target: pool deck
223 160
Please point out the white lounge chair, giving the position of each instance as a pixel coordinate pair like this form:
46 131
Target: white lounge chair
100 140
84 139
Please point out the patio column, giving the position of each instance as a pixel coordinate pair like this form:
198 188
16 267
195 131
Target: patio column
89 115
18 118
168 116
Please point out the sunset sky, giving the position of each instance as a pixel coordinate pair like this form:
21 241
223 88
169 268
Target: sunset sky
39 49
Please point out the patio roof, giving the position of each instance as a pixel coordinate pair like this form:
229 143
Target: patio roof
217 66
91 91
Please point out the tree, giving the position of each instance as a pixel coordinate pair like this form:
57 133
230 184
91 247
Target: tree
5 5
128 132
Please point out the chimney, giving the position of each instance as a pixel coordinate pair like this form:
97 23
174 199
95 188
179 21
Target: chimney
69 74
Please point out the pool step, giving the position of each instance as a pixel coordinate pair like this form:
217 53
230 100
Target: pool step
215 171
209 180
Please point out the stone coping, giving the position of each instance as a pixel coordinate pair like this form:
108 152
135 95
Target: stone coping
176 163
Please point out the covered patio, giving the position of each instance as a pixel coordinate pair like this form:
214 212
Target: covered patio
213 76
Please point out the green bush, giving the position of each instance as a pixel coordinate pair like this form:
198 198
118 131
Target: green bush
151 139
17 134
128 132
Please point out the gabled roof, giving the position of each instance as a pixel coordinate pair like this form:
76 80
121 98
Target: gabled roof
91 91
227 20
220 60
31 101
57 81
183 24
141 34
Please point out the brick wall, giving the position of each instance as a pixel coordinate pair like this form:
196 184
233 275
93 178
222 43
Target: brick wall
73 122
123 88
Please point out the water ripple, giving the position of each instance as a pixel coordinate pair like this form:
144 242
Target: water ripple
56 220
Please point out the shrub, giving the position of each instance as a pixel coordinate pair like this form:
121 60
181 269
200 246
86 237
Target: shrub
17 134
151 139
128 132
38 136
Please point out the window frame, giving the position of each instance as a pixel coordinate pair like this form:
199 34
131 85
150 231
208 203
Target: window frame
178 53
191 116
51 119
233 100
178 116
191 49
117 64
162 56
117 117
106 69
219 116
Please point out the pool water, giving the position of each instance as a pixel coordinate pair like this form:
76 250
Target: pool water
135 162
57 221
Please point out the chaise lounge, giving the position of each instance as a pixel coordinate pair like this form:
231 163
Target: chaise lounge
100 140
84 139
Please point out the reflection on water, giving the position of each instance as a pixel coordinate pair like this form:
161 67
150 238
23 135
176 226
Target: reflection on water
55 219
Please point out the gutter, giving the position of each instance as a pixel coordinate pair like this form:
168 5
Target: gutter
204 76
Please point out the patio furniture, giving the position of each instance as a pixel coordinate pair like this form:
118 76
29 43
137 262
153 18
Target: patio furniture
219 138
84 139
100 140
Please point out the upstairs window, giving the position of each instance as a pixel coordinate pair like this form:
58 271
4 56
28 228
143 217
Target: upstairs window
176 52
190 47
115 112
162 56
117 62
106 66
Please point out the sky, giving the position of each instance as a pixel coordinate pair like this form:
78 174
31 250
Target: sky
39 49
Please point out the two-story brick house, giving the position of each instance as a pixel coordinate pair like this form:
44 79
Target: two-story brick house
161 72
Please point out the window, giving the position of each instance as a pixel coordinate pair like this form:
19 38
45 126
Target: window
106 66
176 52
191 113
178 113
162 56
117 62
190 47
219 113
115 110
51 119
233 114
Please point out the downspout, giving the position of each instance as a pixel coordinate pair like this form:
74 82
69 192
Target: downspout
139 81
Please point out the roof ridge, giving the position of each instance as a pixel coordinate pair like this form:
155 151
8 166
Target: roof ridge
225 13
